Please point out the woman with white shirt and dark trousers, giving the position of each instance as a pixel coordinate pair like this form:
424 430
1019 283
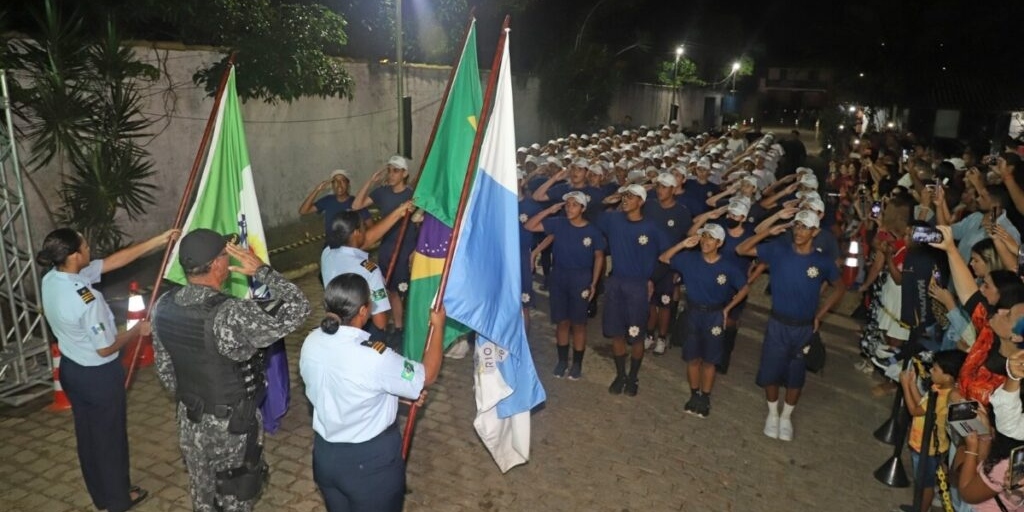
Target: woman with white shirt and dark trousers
354 384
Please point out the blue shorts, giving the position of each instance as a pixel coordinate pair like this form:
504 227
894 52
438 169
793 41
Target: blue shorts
399 281
625 309
570 294
931 466
782 356
704 336
664 289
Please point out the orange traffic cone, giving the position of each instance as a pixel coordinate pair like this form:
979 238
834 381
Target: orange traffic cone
852 262
60 399
137 313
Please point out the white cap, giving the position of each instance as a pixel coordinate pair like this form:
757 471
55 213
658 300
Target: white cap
636 190
739 208
704 162
340 172
597 169
751 180
553 160
578 196
808 180
814 204
581 163
666 179
399 161
804 170
714 230
810 194
534 146
521 150
807 218
532 160
958 163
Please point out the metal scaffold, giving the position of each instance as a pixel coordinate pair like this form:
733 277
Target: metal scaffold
25 366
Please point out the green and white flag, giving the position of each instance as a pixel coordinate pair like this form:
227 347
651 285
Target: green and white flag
226 196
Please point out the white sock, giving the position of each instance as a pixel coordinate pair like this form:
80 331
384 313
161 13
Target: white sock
773 408
787 410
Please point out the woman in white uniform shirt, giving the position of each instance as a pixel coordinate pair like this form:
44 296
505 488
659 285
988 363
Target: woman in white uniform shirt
91 372
354 384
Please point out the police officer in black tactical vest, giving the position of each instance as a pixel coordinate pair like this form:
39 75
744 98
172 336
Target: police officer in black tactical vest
209 353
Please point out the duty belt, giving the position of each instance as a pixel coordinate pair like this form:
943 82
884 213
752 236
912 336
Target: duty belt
708 307
790 321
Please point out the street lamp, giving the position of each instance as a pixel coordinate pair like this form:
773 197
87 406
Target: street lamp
675 68
674 111
735 71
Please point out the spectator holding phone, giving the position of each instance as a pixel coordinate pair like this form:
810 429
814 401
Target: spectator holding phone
985 477
945 367
993 200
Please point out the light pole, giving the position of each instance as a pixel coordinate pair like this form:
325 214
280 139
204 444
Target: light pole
735 71
400 78
674 111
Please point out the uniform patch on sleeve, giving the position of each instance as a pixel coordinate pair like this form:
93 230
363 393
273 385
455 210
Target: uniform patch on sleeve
379 346
369 265
408 370
98 328
86 294
377 295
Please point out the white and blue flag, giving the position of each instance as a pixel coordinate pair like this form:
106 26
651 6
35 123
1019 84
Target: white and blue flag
484 292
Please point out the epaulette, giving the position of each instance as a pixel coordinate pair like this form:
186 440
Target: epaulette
379 346
369 265
86 294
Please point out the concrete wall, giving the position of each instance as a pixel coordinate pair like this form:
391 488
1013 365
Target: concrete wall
651 104
292 146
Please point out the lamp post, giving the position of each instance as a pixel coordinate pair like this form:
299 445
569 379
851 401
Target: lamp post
400 77
674 111
735 71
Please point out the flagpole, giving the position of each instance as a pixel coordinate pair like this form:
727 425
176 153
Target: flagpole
467 183
426 151
189 188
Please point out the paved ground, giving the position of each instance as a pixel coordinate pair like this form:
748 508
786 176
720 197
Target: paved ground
591 451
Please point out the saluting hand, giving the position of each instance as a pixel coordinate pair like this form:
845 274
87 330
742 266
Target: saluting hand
249 261
690 242
778 229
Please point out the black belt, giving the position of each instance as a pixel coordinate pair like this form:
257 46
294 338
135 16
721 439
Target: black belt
790 321
708 307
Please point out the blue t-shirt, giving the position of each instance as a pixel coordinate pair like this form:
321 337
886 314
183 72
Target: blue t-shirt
387 201
825 242
674 221
329 206
574 246
708 283
728 250
796 279
635 245
695 196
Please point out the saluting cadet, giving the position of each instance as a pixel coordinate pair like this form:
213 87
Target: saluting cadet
714 285
674 220
353 383
209 351
696 191
577 180
578 250
90 370
344 254
331 204
635 243
393 192
798 271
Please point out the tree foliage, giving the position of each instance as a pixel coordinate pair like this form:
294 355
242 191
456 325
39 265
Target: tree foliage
678 74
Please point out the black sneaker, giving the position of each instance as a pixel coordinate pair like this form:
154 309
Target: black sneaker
703 409
691 405
560 369
575 372
617 385
632 386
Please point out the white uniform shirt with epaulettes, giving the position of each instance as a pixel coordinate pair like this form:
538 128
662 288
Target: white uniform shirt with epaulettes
78 316
354 383
349 260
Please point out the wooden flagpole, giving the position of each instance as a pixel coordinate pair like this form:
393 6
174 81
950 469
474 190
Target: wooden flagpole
467 183
179 218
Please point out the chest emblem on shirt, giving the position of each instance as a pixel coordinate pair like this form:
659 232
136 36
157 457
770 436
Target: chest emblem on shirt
721 279
716 331
709 194
671 222
642 240
379 346
86 294
587 241
812 272
523 218
525 298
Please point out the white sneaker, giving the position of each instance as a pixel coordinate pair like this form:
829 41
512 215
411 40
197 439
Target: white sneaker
892 372
659 346
771 426
885 352
785 429
459 350
648 342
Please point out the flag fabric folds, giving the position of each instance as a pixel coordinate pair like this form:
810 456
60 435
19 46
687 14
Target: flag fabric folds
437 192
226 203
483 290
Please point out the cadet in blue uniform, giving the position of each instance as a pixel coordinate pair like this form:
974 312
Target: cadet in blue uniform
714 286
90 370
344 254
354 383
797 274
635 243
389 196
331 204
696 191
578 251
674 220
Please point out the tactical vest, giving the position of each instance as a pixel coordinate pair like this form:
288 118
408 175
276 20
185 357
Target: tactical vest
205 378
